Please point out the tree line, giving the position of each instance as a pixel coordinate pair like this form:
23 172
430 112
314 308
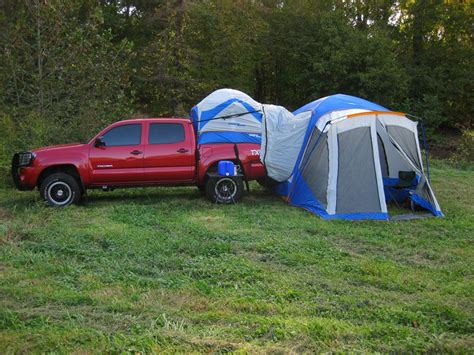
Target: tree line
70 67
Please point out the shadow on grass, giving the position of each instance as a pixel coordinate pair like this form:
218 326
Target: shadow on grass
141 196
151 195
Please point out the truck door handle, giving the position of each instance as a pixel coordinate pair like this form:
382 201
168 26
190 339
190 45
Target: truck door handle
136 152
182 150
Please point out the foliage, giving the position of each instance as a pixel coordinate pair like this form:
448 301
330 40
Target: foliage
70 67
464 155
164 270
436 39
62 78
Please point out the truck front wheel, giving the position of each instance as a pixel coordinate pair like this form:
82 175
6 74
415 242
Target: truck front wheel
224 189
60 190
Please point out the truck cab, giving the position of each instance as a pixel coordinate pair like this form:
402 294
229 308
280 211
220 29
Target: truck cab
141 152
137 152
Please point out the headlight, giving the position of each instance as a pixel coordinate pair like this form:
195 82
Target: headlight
25 158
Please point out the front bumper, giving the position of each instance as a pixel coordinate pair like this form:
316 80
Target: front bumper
18 177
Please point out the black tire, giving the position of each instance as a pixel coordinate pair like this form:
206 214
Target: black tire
60 190
225 189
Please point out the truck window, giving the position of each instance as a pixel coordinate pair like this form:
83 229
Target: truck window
129 134
165 133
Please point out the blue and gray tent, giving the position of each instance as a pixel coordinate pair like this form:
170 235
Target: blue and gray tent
354 157
228 116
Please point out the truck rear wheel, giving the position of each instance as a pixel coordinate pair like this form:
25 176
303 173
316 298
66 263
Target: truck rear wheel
60 190
225 189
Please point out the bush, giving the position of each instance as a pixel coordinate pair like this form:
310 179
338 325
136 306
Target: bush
429 109
464 155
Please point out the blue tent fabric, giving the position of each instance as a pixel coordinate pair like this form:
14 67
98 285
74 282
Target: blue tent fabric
336 103
302 196
229 137
227 116
426 205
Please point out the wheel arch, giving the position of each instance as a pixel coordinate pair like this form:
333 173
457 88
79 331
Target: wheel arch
212 168
69 169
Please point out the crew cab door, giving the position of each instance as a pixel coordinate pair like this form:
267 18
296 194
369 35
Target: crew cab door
120 160
169 153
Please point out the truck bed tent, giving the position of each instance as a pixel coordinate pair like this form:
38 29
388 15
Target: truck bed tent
228 116
355 157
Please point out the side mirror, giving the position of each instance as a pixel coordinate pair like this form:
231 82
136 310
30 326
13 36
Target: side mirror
99 142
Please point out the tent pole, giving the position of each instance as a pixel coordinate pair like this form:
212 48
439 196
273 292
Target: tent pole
425 146
264 119
230 116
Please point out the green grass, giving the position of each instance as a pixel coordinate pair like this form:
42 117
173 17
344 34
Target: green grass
164 270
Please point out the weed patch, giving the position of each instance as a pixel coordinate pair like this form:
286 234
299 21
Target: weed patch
161 269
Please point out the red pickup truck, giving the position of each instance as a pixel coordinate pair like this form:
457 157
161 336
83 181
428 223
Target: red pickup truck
138 152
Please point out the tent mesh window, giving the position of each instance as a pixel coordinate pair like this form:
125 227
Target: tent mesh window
316 169
406 139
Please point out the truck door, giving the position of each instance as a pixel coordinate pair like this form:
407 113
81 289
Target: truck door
120 160
169 153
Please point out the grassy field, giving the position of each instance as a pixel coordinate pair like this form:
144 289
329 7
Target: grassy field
164 270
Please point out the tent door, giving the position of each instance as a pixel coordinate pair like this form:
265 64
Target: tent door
358 176
402 159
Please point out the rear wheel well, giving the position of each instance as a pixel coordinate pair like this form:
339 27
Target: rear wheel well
213 169
64 168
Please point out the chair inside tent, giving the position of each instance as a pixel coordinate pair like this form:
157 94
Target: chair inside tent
356 157
227 116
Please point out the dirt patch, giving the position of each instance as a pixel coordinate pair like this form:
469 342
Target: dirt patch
176 300
443 144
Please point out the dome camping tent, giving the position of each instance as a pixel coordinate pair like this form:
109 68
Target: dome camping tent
228 116
354 158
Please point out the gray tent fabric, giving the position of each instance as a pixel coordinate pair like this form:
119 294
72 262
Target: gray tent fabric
411 154
357 183
424 190
316 170
406 139
282 137
382 157
391 154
